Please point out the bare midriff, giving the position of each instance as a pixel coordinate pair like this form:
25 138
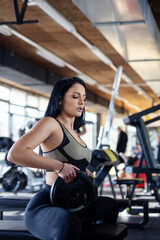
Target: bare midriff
51 177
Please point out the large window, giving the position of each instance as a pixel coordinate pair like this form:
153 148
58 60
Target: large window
19 111
4 93
18 97
32 101
4 118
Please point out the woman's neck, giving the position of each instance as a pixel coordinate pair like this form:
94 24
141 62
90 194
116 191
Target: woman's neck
67 122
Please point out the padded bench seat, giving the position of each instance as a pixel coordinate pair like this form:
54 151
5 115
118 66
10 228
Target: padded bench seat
15 230
128 181
12 204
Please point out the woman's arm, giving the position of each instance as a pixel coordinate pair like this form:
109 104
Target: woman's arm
22 152
45 132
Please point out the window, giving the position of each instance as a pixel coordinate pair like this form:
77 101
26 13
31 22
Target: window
17 110
4 119
4 107
18 97
43 102
4 93
31 112
4 125
17 123
32 101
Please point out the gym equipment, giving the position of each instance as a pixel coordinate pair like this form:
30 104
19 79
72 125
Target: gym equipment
104 133
101 162
78 197
135 206
15 230
82 193
36 180
108 159
14 180
157 154
151 165
12 203
5 144
101 158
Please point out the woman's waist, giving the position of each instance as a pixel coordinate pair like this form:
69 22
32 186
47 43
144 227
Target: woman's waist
51 177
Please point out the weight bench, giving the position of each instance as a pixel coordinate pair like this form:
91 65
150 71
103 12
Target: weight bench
12 204
134 205
15 230
106 159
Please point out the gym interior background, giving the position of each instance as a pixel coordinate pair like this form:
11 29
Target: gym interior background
43 41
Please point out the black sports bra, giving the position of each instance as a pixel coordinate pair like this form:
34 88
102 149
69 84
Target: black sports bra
70 151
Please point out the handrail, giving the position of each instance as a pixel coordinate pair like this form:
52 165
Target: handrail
132 118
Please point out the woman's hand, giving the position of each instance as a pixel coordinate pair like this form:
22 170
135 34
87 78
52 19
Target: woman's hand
68 172
90 174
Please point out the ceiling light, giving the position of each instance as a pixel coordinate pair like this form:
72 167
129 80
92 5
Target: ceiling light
55 15
72 68
5 31
50 57
39 50
137 88
138 109
126 78
141 91
62 21
103 89
101 55
82 39
87 79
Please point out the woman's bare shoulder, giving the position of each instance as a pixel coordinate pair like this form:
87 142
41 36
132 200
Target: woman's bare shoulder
44 129
47 122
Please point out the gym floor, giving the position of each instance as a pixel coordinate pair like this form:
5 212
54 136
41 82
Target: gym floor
151 231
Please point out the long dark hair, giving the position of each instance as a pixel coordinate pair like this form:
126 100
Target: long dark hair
58 92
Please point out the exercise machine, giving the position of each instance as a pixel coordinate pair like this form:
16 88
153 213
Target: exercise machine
108 159
14 179
17 178
151 164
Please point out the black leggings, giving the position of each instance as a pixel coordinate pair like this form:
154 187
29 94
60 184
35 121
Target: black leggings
47 222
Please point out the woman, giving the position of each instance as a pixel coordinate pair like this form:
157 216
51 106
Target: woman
63 153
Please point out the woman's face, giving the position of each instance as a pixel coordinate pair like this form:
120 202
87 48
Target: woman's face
73 101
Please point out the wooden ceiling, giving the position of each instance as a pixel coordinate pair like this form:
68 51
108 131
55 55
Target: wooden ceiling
54 38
